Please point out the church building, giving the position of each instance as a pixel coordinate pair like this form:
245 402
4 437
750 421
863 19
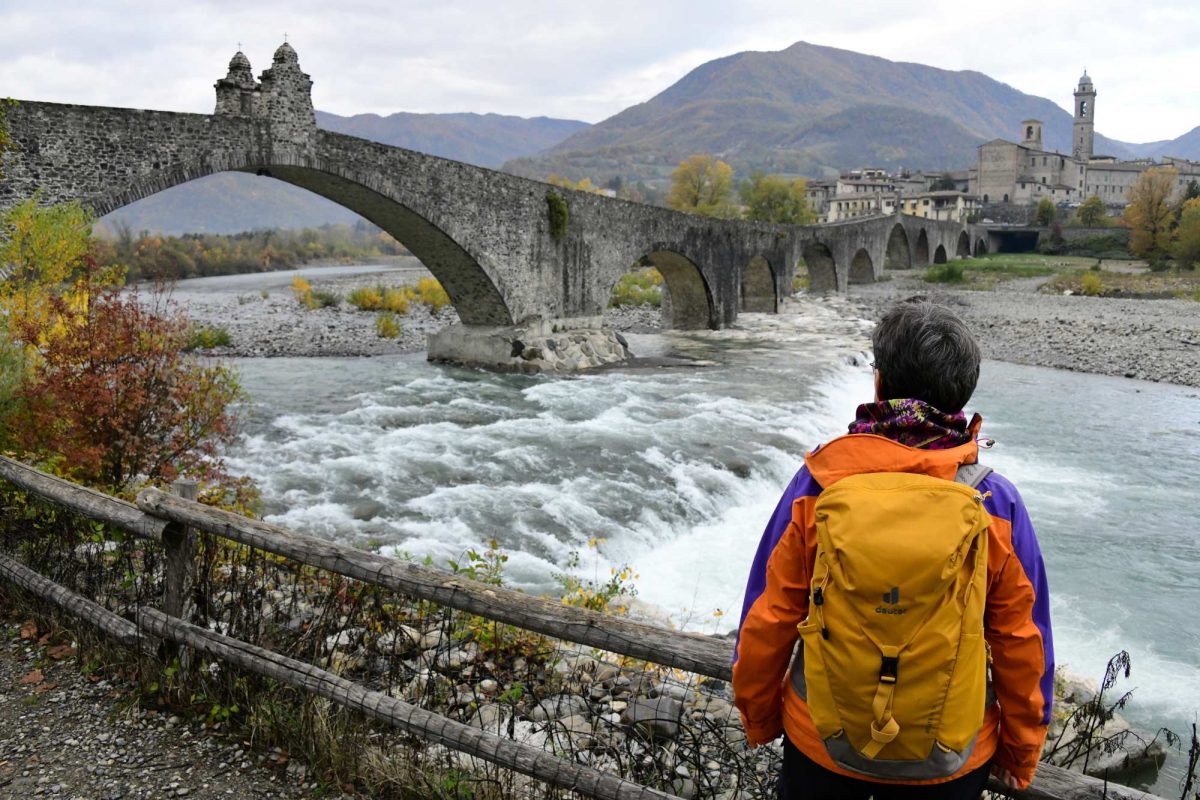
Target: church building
1007 172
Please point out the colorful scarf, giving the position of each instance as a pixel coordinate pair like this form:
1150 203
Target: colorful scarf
913 423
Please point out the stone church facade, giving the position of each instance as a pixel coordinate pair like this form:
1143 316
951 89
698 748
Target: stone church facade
1024 173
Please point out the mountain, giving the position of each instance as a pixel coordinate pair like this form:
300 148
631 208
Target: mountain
1186 146
817 109
230 202
487 140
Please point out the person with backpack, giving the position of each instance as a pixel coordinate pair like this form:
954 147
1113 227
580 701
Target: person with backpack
896 624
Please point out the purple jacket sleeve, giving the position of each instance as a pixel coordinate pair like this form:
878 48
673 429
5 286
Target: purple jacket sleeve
801 485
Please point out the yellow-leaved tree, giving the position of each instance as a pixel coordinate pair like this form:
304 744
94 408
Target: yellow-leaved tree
1150 214
702 184
1187 236
582 185
45 257
772 198
1091 212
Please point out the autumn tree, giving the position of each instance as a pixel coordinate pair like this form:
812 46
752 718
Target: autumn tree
44 252
1187 236
117 399
581 185
771 198
1045 212
1149 213
103 392
1091 212
702 184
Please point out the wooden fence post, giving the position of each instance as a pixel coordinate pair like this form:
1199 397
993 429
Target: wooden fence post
179 550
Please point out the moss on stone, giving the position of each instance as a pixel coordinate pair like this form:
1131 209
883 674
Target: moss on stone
556 207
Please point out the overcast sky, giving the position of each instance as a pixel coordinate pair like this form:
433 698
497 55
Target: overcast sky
587 61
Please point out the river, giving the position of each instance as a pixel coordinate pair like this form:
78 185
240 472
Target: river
675 471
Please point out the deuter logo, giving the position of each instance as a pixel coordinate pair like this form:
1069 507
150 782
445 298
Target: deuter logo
891 598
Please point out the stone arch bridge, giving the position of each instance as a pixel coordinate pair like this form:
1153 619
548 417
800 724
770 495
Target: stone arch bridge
486 235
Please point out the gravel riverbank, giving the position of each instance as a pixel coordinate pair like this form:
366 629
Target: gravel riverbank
1154 340
265 320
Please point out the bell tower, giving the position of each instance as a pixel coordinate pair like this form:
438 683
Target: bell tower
1085 118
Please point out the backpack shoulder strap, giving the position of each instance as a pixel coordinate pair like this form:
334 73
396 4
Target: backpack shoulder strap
972 474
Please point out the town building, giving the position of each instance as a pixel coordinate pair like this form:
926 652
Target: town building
873 191
1023 173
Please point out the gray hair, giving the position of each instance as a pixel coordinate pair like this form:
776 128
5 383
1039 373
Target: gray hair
924 350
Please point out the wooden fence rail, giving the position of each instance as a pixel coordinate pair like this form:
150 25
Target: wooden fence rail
166 518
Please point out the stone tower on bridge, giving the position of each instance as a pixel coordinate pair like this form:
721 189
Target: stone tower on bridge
283 98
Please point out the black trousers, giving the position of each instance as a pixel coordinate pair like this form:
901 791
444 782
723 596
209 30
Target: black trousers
804 779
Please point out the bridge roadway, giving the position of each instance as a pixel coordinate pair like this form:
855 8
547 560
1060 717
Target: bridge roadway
486 235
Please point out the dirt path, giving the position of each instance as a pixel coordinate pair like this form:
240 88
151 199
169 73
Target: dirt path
67 735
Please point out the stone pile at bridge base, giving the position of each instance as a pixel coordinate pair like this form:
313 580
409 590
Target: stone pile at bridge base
539 346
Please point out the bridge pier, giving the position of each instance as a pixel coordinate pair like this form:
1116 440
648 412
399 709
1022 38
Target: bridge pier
565 345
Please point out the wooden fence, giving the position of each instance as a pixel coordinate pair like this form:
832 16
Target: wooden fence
171 520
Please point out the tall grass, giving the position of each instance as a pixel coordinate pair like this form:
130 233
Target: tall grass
950 272
642 287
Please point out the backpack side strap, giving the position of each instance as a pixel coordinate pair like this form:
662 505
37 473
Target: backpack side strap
972 474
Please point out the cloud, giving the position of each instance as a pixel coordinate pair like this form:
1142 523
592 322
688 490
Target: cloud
535 57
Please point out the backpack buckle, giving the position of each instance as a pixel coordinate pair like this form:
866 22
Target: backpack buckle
888 669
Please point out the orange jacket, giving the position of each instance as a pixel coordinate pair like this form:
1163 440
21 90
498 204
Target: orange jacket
1016 617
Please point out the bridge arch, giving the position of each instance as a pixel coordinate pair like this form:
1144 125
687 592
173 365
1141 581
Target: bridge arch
689 299
964 245
469 282
822 269
898 255
861 268
939 255
922 254
758 290
981 248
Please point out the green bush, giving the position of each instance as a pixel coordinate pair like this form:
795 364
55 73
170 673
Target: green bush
205 337
642 287
366 298
324 299
950 272
387 325
1091 284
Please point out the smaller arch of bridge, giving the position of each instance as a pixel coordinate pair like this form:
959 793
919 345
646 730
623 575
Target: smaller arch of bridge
758 290
822 268
688 299
963 248
981 248
898 254
861 268
922 252
939 255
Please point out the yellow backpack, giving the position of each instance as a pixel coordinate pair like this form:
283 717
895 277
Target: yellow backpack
892 661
